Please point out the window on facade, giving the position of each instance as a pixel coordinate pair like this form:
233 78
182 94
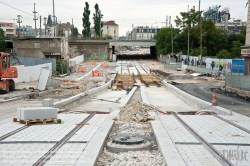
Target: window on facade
150 30
107 27
52 45
114 31
36 45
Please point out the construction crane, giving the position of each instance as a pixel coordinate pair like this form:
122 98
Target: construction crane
7 73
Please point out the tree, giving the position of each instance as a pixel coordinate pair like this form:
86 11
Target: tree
97 20
236 49
74 32
85 21
61 32
224 54
190 18
163 40
2 39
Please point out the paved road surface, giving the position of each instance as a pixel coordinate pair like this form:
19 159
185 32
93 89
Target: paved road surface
224 99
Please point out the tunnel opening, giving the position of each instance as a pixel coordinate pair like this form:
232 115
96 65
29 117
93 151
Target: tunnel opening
137 54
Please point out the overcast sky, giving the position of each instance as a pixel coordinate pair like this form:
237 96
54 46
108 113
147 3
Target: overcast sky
123 12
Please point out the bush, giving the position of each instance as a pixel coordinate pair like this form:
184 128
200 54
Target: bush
61 66
224 54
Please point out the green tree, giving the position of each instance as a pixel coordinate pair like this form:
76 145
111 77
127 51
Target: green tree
196 51
2 39
74 32
236 49
85 21
61 32
224 54
164 40
190 18
97 20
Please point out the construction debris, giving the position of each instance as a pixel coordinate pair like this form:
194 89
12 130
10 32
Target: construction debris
135 111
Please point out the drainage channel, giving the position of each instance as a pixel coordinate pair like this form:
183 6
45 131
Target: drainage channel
64 140
207 145
131 140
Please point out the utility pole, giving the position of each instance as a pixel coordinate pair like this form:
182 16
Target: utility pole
170 21
40 26
45 23
54 19
72 28
172 39
188 36
167 21
35 17
19 21
200 31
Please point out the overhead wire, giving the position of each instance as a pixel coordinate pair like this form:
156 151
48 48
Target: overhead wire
16 8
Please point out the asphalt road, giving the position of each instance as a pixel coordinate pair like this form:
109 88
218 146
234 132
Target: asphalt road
226 100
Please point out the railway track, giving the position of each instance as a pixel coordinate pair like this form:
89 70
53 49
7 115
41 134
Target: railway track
58 145
207 145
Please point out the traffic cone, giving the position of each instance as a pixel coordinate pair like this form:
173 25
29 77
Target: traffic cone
214 99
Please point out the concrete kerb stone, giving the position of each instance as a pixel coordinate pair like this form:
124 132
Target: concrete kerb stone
165 144
195 102
143 95
127 99
95 146
63 103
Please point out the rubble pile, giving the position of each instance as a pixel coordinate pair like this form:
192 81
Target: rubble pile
135 111
145 158
133 129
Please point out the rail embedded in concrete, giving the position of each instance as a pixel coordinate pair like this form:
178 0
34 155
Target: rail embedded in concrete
165 144
195 102
95 146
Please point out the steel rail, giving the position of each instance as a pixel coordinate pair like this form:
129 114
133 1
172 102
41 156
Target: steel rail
207 145
13 132
58 145
234 124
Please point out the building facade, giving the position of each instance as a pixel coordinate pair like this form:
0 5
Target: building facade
110 28
144 33
8 28
49 47
234 26
29 31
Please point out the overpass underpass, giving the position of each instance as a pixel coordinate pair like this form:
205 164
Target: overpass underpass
138 54
135 49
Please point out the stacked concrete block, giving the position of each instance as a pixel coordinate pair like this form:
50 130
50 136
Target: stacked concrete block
48 102
37 113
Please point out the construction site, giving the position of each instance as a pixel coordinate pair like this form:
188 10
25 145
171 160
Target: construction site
129 112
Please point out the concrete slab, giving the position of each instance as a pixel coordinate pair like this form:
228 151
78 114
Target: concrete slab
177 132
97 105
9 127
214 130
166 100
87 131
165 144
22 154
197 155
237 155
37 113
68 154
53 132
239 119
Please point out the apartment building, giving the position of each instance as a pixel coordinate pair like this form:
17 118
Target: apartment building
110 28
29 31
9 28
144 33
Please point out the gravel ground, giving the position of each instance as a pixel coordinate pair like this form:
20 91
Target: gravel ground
126 125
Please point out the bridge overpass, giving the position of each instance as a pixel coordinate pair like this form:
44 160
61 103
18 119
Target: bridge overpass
132 43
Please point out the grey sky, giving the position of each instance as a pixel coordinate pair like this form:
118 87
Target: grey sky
124 12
